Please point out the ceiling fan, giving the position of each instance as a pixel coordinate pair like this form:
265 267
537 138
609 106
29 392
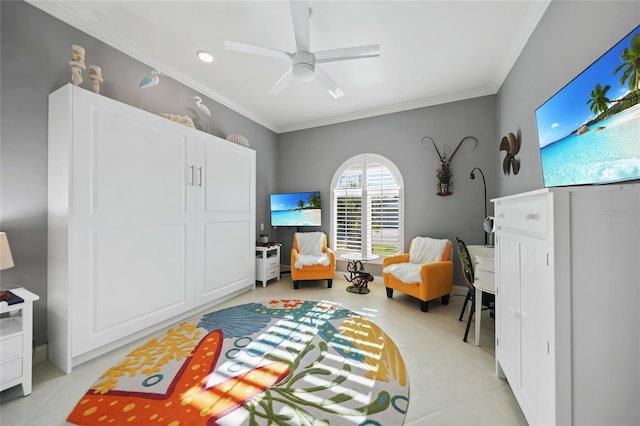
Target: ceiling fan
304 63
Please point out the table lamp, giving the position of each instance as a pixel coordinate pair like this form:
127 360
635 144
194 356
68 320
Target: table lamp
6 260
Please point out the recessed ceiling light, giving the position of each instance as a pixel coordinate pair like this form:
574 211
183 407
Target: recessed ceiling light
205 56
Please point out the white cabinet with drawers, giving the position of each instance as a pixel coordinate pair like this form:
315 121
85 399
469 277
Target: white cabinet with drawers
267 263
16 328
568 303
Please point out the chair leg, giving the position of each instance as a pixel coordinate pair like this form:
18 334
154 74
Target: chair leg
296 284
473 308
389 292
424 306
445 299
464 305
330 283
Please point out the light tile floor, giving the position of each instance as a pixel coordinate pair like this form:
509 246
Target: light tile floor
451 382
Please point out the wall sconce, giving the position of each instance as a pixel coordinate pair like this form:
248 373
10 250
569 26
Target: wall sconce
6 260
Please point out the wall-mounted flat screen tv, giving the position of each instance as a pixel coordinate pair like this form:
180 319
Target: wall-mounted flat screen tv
589 131
296 209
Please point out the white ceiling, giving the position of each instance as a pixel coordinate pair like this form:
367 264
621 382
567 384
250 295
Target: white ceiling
431 51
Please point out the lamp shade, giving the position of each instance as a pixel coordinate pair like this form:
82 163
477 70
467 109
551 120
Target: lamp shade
6 261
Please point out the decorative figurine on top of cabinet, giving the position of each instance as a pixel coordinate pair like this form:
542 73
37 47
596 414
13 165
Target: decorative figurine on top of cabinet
77 64
95 74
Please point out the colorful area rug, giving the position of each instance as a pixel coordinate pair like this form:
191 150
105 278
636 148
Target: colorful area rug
284 362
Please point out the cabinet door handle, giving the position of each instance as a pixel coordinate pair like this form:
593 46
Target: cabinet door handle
200 176
193 175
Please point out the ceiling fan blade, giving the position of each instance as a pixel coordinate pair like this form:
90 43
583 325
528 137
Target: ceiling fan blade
283 82
328 83
300 16
345 53
257 50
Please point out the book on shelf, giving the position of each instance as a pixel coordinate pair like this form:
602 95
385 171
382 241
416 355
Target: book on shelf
269 244
10 297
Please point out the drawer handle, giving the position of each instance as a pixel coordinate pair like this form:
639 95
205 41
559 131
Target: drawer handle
531 216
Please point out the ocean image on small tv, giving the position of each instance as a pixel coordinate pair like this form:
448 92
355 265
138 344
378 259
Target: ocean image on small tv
589 131
296 209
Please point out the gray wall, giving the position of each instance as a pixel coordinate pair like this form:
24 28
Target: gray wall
35 50
309 158
570 36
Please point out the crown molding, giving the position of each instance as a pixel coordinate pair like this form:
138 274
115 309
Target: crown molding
533 16
93 28
391 109
88 25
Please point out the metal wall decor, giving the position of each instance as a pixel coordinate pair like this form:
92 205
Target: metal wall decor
444 174
511 145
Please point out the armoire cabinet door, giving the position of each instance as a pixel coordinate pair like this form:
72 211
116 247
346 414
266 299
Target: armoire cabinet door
526 322
225 212
537 369
508 320
133 220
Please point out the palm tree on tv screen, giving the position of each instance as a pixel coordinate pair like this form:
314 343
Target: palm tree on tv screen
631 64
314 201
599 101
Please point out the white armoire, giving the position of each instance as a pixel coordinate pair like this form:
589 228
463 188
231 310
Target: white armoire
568 303
148 222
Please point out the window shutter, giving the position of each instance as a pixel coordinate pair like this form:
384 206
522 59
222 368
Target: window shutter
383 208
348 205
367 214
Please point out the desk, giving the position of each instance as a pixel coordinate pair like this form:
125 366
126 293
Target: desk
484 272
358 276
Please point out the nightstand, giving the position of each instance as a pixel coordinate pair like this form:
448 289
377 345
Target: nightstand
16 331
267 263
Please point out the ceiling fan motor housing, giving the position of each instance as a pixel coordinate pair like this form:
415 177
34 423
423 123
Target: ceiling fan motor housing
304 66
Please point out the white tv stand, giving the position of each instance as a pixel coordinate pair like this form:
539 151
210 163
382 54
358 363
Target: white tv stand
568 303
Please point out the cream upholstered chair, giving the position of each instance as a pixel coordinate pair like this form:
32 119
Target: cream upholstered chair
311 259
425 278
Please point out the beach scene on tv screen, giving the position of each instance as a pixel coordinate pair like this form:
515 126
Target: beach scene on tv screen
296 209
589 131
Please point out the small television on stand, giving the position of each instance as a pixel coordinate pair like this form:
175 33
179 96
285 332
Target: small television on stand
589 131
296 209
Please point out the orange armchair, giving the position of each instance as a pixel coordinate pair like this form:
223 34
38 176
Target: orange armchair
315 271
436 278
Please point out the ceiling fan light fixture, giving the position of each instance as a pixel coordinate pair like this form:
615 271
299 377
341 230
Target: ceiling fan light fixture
303 67
303 72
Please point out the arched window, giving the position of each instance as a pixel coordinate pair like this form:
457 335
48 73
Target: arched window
368 206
